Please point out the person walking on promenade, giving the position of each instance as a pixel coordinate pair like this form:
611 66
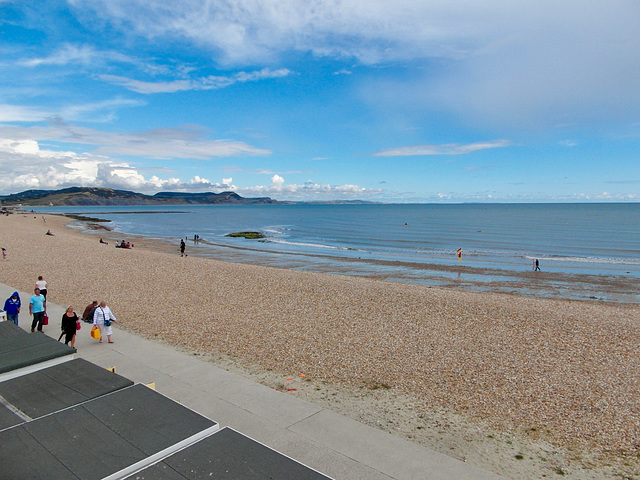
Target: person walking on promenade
12 307
37 308
69 326
87 315
42 285
102 318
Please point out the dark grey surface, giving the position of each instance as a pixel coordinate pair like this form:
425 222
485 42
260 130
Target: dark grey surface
97 438
58 387
21 349
8 418
228 455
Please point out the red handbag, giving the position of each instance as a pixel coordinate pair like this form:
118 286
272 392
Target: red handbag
45 320
78 326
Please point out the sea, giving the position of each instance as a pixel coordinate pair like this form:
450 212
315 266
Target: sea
586 251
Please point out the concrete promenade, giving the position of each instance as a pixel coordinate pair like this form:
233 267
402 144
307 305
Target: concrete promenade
321 439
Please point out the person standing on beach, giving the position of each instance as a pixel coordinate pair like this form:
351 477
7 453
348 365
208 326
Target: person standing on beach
12 307
69 326
182 247
37 308
537 269
42 285
4 253
102 318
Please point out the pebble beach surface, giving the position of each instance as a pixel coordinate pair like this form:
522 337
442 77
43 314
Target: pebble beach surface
525 387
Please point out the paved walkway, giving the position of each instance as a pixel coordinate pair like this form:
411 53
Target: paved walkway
326 441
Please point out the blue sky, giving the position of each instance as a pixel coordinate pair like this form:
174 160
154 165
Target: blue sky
403 101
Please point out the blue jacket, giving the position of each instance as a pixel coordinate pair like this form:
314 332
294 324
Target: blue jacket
12 305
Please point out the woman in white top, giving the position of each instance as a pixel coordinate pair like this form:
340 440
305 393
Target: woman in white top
102 318
42 285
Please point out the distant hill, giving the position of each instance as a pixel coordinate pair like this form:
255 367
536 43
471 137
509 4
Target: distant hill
85 196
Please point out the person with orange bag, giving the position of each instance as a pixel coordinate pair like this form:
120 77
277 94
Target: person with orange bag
102 318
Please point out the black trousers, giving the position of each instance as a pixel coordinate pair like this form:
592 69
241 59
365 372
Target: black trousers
37 320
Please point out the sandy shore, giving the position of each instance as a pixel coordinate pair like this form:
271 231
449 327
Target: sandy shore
524 387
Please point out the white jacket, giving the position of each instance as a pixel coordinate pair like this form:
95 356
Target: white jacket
101 313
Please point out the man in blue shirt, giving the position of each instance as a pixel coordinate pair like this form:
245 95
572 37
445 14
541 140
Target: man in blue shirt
37 308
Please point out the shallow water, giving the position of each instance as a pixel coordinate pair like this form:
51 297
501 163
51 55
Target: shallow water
586 251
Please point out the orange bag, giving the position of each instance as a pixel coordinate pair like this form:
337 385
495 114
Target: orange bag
95 333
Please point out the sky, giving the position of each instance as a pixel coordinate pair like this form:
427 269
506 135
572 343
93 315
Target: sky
425 101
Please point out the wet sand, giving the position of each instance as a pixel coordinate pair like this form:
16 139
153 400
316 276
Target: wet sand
521 386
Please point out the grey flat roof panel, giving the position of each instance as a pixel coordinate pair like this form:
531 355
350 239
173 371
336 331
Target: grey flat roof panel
24 458
99 437
8 418
20 349
58 387
75 439
227 455
148 420
9 330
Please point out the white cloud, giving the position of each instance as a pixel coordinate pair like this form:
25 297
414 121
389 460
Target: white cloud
309 191
212 82
445 149
276 182
93 111
33 167
252 31
165 143
21 113
98 111
490 63
79 54
38 168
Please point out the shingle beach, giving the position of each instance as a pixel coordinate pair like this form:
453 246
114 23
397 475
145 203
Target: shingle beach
523 386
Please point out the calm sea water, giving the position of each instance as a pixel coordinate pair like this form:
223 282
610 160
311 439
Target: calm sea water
415 243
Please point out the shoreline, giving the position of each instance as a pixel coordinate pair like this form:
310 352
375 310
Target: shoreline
610 288
520 386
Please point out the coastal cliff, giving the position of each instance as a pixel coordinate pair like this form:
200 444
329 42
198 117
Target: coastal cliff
85 196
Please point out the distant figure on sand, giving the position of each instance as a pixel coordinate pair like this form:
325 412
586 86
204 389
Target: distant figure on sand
37 308
182 247
102 241
49 233
4 253
42 285
536 265
12 307
102 318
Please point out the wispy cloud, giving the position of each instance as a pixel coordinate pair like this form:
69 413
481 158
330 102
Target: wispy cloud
166 143
212 82
445 149
22 113
95 111
69 54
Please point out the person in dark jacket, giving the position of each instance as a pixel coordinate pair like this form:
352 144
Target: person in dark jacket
12 307
87 316
69 326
